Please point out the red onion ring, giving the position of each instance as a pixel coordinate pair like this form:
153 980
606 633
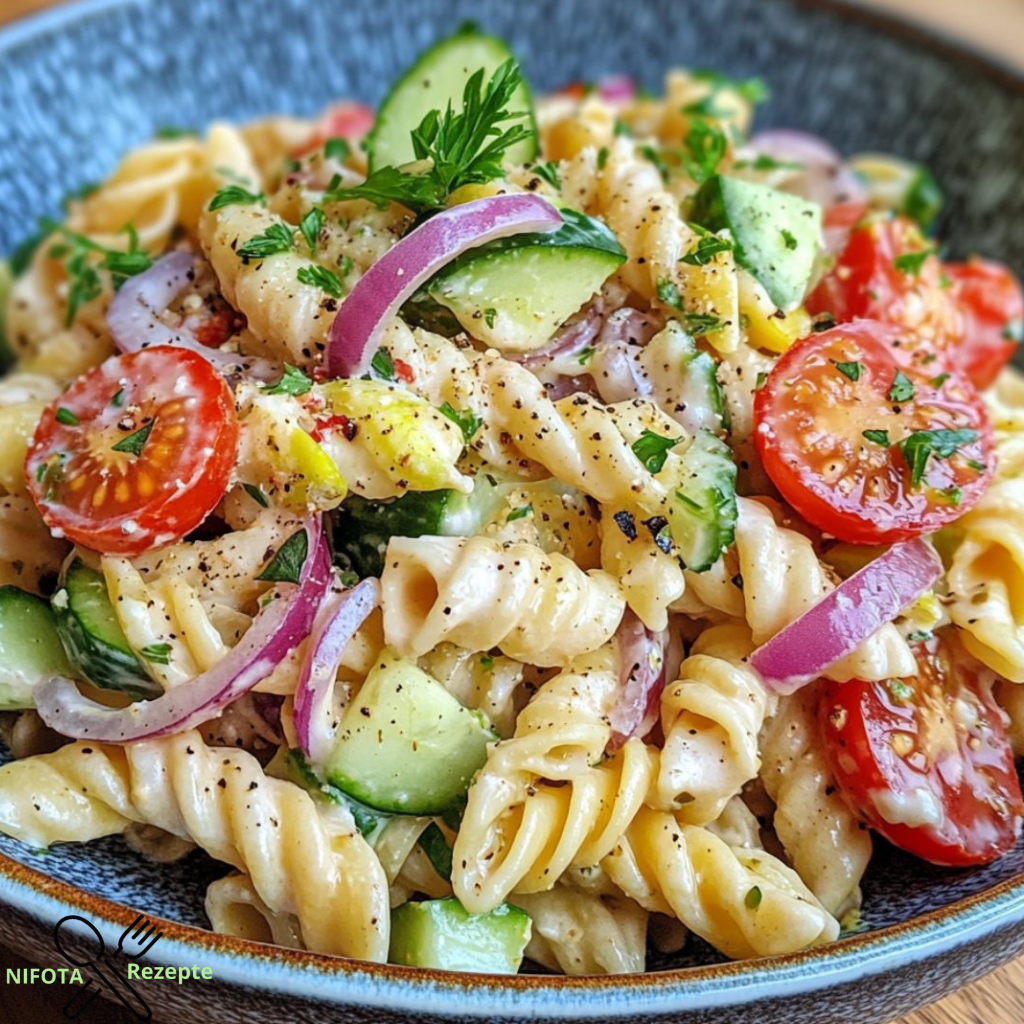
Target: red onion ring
398 274
845 617
642 678
824 178
133 317
617 89
279 627
339 617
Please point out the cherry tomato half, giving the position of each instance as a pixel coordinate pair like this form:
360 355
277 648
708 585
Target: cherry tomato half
866 448
926 761
136 453
345 120
991 303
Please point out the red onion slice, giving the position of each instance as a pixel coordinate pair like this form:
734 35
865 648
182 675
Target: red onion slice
824 178
382 290
617 89
336 623
279 627
134 317
843 619
642 678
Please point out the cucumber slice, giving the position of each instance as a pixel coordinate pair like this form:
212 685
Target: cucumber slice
30 647
92 636
405 744
514 293
777 234
437 78
442 934
702 519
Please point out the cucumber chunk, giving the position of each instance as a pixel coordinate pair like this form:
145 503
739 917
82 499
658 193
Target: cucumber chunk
777 234
703 516
30 647
437 78
405 744
92 636
514 293
442 934
685 380
901 185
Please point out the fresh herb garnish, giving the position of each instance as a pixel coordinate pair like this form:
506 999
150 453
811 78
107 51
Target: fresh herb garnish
754 90
487 662
311 225
585 355
293 382
439 853
256 494
490 316
753 898
118 400
898 688
158 654
235 195
549 172
902 389
652 449
789 239
704 148
463 148
954 495
337 149
919 446
764 162
707 248
465 419
602 158
519 513
320 277
655 157
169 132
851 370
924 199
286 565
276 239
67 417
937 382
877 437
761 380
135 442
383 365
911 263
702 324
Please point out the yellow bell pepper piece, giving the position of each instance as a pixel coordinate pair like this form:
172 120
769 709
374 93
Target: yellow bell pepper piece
766 328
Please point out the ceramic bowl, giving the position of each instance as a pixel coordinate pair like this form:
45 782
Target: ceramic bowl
82 84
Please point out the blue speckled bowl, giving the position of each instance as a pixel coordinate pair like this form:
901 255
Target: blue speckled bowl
80 85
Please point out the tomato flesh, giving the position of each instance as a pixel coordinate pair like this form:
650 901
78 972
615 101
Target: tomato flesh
172 418
926 761
810 419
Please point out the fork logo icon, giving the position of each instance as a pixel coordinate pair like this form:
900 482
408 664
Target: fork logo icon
135 942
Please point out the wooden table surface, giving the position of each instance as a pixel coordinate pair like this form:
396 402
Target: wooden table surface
997 25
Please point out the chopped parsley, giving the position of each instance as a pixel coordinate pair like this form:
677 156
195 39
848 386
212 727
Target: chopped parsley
276 239
286 565
585 355
754 90
67 417
753 898
169 132
911 263
519 513
789 239
487 662
954 495
924 199
462 148
880 437
490 316
652 449
704 148
256 494
135 442
235 195
655 157
383 365
851 370
701 324
764 162
937 382
118 400
602 158
465 419
293 382
902 389
919 446
707 248
899 689
311 225
549 172
320 277
159 654
337 149
761 380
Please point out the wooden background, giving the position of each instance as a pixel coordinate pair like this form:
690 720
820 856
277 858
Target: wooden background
995 25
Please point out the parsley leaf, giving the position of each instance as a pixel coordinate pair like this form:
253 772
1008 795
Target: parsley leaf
463 148
753 90
937 382
753 898
851 370
337 149
235 195
911 263
292 382
256 494
465 420
311 225
668 292
602 158
902 389
789 239
954 495
706 249
383 365
135 442
67 417
877 437
286 565
159 654
276 239
705 147
702 324
519 513
549 172
490 316
320 277
919 446
652 449
764 162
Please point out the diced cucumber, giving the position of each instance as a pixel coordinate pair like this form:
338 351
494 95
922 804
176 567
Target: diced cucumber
702 518
297 769
92 636
437 78
405 744
901 185
29 647
362 527
777 234
514 293
442 934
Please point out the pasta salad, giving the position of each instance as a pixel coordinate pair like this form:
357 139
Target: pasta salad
501 529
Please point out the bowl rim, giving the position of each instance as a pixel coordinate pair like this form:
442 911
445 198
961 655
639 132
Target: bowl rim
337 981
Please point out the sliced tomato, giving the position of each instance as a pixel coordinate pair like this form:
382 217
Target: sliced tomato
345 120
991 303
136 453
840 220
889 271
900 479
926 761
